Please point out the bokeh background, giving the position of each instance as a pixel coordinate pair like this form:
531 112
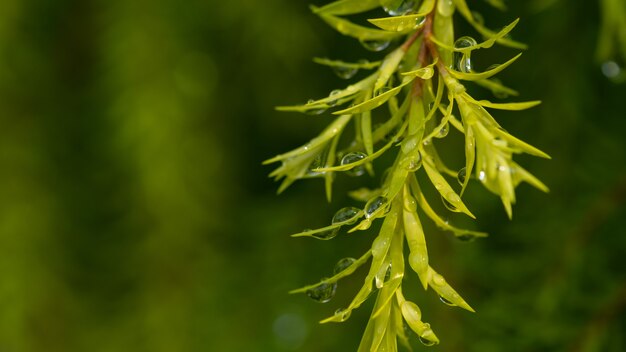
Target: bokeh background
135 214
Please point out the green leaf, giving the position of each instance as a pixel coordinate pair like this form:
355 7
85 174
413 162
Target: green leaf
365 65
483 45
347 7
521 144
482 75
418 257
444 188
424 73
350 29
341 97
509 106
373 103
388 68
439 284
340 275
401 24
480 28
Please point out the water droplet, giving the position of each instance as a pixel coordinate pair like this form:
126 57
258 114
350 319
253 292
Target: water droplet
409 144
317 163
466 238
345 72
343 264
323 292
343 314
464 42
445 301
352 158
332 94
345 215
445 7
449 204
438 280
482 175
315 111
374 204
427 141
418 261
461 175
443 131
611 69
413 162
326 235
426 342
375 45
462 60
398 7
410 204
382 90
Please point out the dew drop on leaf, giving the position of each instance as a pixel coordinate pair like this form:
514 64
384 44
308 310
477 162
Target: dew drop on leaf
347 215
462 60
443 131
316 111
323 292
375 45
326 235
461 175
352 158
466 238
374 204
343 264
446 302
344 72
398 7
426 342
343 314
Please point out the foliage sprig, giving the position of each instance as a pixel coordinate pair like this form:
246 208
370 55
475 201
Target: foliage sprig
422 84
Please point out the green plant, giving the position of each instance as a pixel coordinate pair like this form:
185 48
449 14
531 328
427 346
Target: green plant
420 83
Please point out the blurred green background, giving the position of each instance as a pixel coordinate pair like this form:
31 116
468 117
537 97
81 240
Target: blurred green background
135 214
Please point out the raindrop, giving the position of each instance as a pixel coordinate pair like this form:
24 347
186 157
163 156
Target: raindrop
462 60
611 69
409 144
345 72
335 92
326 235
374 204
375 45
461 175
315 111
448 204
482 175
443 131
445 7
346 215
438 280
413 162
399 7
426 141
315 164
466 238
426 342
343 314
323 292
351 158
410 204
445 301
343 264
464 42
381 91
